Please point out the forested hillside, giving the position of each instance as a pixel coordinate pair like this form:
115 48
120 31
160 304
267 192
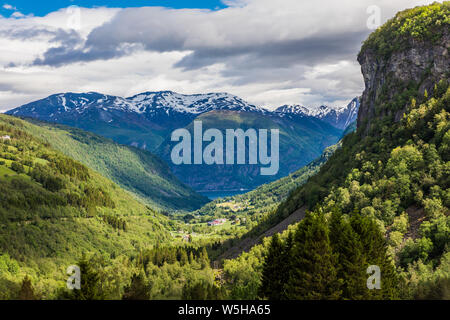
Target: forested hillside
133 169
53 209
393 173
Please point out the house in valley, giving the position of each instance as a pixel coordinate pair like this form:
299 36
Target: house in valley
217 222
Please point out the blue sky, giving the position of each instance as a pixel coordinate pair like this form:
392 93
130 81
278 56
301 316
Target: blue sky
41 8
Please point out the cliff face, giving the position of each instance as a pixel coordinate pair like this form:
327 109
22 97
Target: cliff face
421 60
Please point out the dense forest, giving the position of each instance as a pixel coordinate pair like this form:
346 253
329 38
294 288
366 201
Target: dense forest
395 173
53 208
135 170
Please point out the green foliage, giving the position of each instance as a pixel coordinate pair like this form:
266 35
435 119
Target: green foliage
57 209
90 287
201 290
426 23
328 259
313 273
243 274
8 265
138 288
351 258
27 290
133 169
272 282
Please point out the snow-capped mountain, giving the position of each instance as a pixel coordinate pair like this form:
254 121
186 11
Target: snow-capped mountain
148 119
149 103
338 117
167 107
168 101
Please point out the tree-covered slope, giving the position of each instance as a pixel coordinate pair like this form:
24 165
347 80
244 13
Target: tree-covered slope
53 209
394 170
248 210
133 169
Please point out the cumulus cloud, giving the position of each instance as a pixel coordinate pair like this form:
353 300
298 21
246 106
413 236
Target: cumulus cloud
268 52
296 31
9 7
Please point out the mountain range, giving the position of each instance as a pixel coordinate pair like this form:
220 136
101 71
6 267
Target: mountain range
146 121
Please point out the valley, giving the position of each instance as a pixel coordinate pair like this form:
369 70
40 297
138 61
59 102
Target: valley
86 179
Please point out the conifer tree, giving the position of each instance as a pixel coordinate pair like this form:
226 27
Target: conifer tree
313 272
27 290
91 288
351 266
204 258
271 282
285 264
184 257
375 253
138 289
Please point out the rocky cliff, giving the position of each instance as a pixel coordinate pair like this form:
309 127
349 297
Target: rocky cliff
409 54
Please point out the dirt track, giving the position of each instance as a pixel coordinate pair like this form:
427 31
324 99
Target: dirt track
246 244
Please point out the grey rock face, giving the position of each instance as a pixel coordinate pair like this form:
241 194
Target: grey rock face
422 62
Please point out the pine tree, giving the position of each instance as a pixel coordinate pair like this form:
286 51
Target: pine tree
90 282
27 290
313 272
183 257
285 264
271 282
138 289
204 258
195 290
375 253
351 266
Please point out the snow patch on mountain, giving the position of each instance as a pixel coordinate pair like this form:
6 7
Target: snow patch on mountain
195 104
339 117
154 105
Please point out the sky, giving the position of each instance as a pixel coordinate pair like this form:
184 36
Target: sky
267 52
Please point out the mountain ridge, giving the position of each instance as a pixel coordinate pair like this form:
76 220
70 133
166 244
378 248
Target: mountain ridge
146 121
149 103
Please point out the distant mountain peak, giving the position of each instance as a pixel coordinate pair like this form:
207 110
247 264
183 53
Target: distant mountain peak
338 117
169 101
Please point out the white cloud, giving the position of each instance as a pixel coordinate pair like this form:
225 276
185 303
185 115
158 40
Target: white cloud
268 52
9 7
17 14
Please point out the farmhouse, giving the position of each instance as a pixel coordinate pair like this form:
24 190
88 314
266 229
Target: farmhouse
5 138
217 222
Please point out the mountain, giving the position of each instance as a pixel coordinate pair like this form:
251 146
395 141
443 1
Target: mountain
135 170
147 120
397 102
156 104
300 142
339 118
391 174
143 120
